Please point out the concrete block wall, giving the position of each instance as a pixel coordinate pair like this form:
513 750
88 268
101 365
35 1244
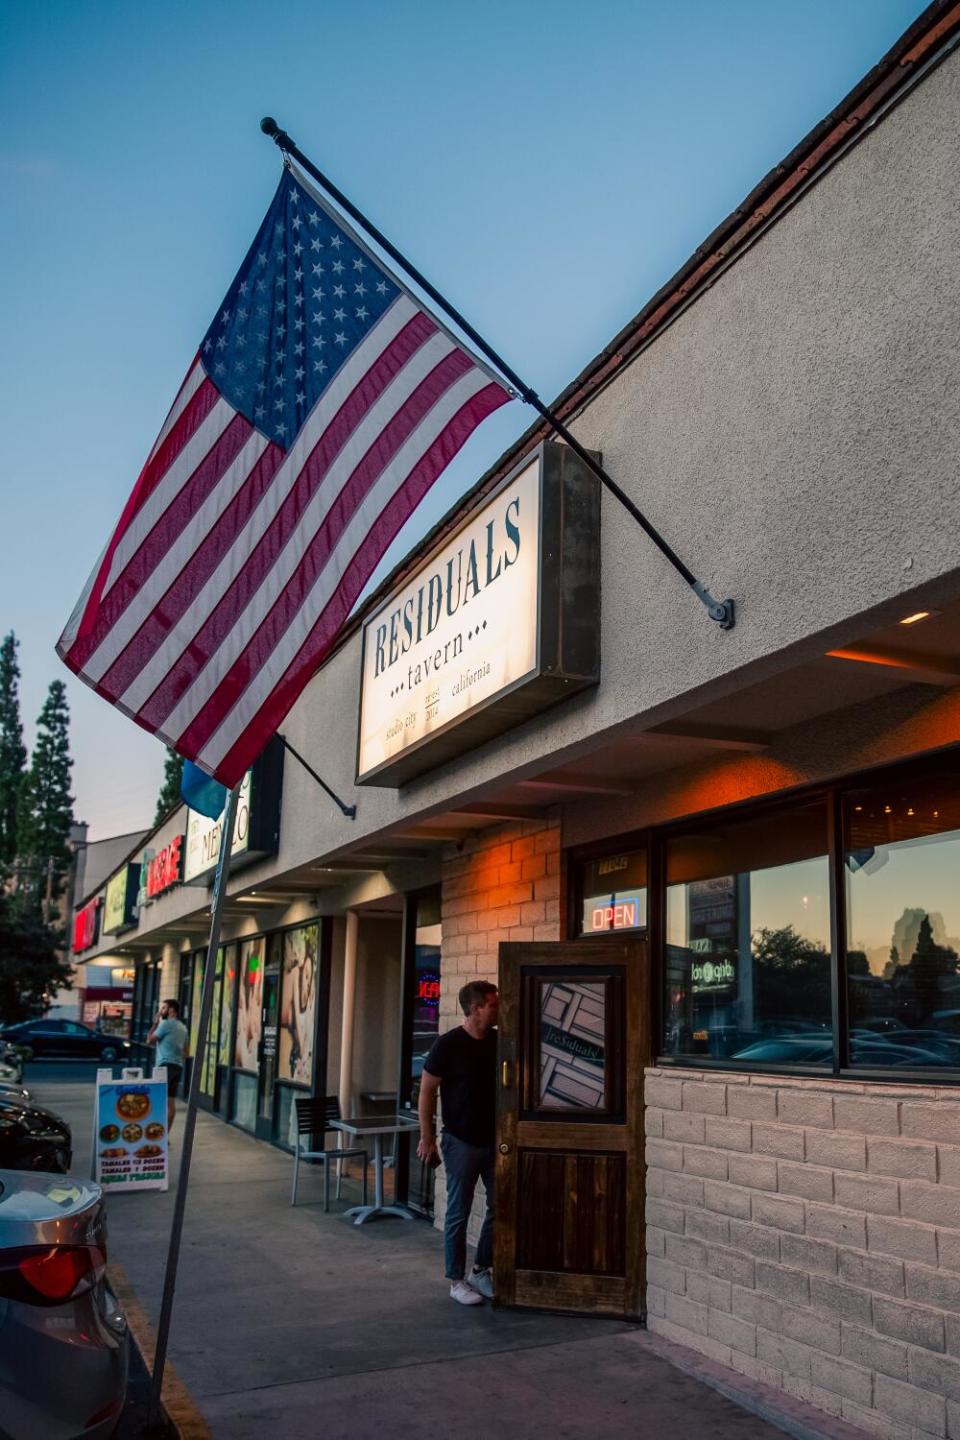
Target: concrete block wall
807 1233
501 884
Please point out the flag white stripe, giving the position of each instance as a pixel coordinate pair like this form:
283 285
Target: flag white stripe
188 389
172 563
199 445
348 543
372 424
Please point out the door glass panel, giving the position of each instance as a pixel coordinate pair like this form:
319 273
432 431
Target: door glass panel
199 965
271 1014
226 1006
208 1077
572 1045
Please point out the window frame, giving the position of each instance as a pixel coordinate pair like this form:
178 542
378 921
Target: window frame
656 838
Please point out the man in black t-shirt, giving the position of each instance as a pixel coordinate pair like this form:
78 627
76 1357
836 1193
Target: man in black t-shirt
463 1066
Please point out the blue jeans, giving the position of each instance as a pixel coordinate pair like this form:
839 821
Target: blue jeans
466 1164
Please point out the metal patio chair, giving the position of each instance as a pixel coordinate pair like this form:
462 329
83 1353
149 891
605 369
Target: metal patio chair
314 1119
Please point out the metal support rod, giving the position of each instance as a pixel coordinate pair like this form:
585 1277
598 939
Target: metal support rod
349 810
190 1122
721 611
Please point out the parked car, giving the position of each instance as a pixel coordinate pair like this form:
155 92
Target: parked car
64 1037
63 1336
32 1138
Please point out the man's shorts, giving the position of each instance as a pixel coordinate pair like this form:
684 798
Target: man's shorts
173 1079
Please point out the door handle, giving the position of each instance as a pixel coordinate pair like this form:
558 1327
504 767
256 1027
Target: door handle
504 1148
505 1074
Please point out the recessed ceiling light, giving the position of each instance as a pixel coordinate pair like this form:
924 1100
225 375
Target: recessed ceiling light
917 616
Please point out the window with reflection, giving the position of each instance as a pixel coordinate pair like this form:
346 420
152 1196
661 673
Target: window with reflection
614 893
748 962
902 871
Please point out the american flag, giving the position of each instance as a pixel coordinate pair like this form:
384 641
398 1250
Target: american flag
323 403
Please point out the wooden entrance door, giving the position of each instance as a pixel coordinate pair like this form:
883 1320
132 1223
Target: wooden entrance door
574 1036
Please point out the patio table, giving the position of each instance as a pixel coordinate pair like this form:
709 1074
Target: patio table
376 1127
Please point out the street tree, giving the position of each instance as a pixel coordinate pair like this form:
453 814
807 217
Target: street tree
46 809
170 788
31 970
13 752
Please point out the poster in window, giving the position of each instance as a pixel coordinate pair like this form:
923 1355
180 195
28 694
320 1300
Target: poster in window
249 1005
226 1012
298 1004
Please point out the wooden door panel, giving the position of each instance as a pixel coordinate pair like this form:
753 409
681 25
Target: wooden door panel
573 1215
573 1040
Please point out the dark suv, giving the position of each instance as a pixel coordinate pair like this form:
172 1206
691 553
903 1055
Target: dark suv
64 1037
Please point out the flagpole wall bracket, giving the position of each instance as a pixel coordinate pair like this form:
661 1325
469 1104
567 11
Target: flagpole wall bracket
349 811
724 612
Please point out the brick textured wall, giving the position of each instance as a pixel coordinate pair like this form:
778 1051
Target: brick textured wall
501 884
807 1233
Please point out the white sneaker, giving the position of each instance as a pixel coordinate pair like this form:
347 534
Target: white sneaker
462 1293
482 1282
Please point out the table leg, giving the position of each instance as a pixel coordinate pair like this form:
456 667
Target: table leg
378 1171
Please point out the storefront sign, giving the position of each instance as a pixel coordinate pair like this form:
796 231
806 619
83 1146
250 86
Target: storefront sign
130 1131
85 927
120 900
166 868
499 623
204 834
256 830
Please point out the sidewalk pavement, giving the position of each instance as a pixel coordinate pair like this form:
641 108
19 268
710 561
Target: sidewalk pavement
295 1323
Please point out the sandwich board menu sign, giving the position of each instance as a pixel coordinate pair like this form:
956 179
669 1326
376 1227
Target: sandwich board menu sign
130 1131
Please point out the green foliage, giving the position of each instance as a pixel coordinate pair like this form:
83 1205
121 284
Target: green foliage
13 753
46 805
31 970
170 789
788 966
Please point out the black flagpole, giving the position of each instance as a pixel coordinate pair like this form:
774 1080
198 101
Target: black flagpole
190 1123
722 611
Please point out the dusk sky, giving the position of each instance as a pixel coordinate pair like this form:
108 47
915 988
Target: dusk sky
548 174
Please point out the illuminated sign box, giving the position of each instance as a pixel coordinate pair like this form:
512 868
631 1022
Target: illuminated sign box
615 912
501 621
85 927
120 900
256 830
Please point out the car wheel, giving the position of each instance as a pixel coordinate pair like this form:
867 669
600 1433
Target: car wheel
109 1052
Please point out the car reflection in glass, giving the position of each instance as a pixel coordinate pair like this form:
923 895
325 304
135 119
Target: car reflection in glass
900 1047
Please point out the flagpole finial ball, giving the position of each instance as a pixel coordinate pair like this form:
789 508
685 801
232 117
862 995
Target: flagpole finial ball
269 126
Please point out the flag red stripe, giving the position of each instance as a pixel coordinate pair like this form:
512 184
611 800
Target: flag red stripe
178 515
196 412
184 588
317 552
271 714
